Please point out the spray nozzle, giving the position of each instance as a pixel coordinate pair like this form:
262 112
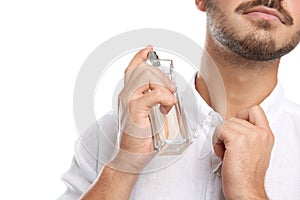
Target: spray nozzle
153 59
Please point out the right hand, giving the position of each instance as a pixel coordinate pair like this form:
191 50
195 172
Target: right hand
144 87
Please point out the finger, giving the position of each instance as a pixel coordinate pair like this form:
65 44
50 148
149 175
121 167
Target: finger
225 133
160 95
140 107
230 129
243 122
139 58
255 115
152 90
146 78
221 138
165 109
137 110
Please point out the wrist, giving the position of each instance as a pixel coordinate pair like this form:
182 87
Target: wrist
124 166
258 195
111 184
129 162
249 194
126 179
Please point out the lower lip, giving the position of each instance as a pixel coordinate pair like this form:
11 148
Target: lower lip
265 16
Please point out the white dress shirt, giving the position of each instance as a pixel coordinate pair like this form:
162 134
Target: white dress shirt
196 173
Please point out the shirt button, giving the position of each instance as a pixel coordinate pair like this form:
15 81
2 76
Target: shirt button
219 171
196 132
215 121
218 174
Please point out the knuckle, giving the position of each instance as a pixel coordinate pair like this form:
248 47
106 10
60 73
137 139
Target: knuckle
157 93
218 131
272 138
121 99
127 70
224 128
228 124
132 103
164 96
224 125
174 99
244 139
255 109
120 96
265 135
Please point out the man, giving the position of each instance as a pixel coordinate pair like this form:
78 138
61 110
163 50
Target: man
255 147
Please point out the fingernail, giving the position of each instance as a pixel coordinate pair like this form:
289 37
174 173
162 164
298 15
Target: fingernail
176 100
172 86
163 110
149 46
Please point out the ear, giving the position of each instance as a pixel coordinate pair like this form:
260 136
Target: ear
200 4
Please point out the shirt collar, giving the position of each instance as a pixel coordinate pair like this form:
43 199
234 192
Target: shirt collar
195 107
200 113
198 110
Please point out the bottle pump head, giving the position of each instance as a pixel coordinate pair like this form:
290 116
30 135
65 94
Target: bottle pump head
153 59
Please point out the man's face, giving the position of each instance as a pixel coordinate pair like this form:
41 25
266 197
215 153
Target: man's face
255 29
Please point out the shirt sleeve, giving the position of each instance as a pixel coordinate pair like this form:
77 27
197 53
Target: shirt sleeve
92 150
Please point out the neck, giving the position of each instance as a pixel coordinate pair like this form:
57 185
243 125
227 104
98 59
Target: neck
230 83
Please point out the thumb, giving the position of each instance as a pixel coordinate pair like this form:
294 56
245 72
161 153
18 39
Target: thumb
219 146
219 149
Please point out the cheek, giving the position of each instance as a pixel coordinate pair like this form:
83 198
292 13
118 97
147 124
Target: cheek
228 5
296 16
293 7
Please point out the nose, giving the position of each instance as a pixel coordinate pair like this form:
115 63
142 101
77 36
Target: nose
272 3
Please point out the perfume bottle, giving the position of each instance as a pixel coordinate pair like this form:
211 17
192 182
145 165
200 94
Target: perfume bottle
169 131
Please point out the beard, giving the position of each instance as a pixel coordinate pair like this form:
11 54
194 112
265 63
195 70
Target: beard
258 44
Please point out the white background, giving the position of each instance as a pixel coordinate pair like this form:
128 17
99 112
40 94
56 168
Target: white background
42 47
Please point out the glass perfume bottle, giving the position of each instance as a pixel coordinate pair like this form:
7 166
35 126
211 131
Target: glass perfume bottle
169 132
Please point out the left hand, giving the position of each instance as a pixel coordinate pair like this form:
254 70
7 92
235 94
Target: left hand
244 143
